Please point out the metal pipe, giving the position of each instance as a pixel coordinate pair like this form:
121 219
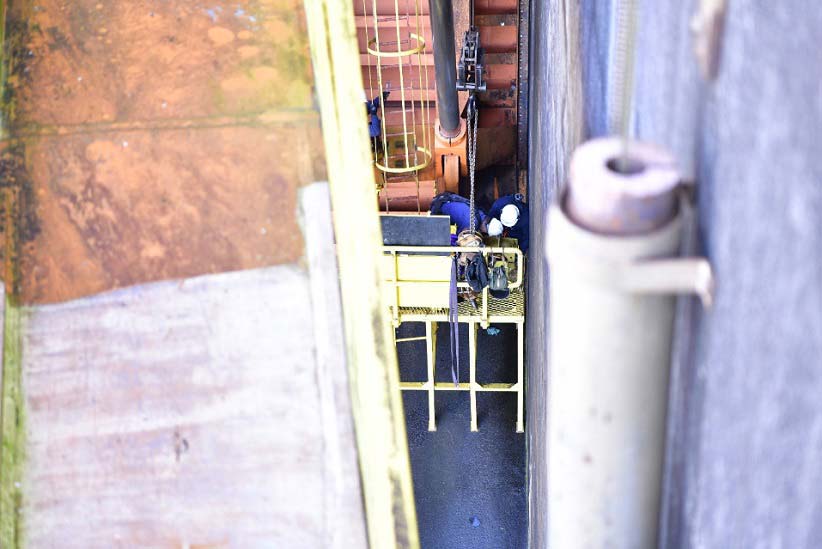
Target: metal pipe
611 247
610 194
442 30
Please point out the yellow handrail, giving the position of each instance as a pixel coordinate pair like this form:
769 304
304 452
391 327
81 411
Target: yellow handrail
395 283
487 250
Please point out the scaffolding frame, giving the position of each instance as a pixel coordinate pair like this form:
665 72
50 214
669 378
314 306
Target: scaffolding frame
429 281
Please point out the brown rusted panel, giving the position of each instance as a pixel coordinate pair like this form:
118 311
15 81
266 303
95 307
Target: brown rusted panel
488 7
496 145
500 97
123 208
156 140
501 75
402 196
499 39
508 58
494 117
499 20
92 62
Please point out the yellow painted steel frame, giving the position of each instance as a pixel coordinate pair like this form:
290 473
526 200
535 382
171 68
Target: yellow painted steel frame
430 385
372 361
430 316
395 282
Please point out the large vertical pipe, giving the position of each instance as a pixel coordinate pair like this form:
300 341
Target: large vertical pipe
611 325
442 29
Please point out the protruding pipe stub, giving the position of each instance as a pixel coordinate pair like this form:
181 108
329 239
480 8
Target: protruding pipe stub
609 196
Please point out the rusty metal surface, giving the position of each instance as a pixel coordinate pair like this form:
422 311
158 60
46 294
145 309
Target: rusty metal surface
155 140
498 22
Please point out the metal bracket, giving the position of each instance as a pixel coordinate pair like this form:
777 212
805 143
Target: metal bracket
470 70
706 28
615 262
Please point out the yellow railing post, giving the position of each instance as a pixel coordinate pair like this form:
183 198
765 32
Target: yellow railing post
431 351
520 376
472 373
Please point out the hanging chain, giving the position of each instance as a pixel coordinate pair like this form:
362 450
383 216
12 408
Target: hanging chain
471 129
473 117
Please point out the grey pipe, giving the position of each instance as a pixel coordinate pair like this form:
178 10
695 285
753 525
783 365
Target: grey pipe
445 69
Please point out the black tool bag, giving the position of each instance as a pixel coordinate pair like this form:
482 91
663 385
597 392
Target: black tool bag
476 273
498 285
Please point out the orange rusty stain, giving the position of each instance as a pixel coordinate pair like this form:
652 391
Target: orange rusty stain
220 35
248 51
165 153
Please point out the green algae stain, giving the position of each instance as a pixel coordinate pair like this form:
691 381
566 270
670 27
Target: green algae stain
15 61
12 430
279 76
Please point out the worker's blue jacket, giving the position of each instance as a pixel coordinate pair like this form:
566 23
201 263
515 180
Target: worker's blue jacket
457 208
520 230
372 107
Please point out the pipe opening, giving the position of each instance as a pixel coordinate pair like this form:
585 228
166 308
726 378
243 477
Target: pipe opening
625 165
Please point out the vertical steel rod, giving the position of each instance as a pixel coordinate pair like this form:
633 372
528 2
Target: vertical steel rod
445 69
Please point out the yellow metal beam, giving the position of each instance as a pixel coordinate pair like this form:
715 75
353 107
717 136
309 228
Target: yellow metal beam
372 360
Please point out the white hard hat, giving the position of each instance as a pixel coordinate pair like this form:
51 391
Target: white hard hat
494 227
509 215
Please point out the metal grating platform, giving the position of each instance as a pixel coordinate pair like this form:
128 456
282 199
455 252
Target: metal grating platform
510 309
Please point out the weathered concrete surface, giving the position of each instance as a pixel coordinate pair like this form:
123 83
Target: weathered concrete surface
343 505
189 413
746 447
555 129
745 419
155 141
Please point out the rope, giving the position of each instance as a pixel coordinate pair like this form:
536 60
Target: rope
622 85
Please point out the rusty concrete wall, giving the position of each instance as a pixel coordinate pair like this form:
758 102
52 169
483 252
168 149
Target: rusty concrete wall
149 140
555 129
144 141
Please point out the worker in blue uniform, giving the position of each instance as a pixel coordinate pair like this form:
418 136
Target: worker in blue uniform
458 209
509 217
374 123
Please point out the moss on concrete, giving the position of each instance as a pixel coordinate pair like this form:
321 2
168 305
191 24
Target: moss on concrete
11 402
12 431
